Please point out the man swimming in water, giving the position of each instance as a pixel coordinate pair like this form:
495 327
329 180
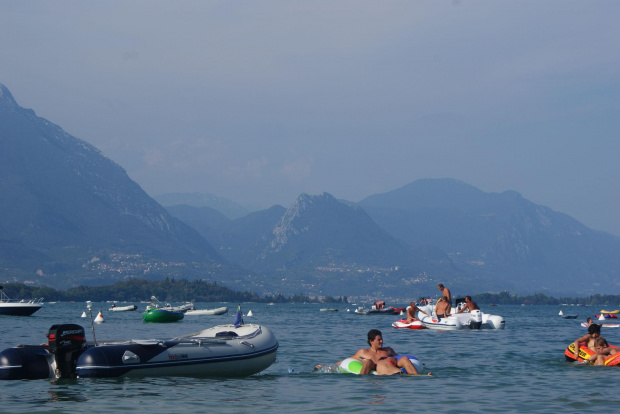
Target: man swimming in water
379 358
382 359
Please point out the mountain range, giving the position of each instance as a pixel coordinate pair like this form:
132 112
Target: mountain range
72 216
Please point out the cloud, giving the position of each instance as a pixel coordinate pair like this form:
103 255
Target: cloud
297 170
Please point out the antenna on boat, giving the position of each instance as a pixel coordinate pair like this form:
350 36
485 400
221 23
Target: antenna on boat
89 305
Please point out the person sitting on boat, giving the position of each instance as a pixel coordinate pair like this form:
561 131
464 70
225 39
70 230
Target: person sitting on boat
382 359
470 305
594 331
411 310
603 350
380 304
443 307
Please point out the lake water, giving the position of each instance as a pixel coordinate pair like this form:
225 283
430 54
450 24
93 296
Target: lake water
518 369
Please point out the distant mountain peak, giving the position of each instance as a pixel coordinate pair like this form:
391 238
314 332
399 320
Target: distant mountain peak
6 98
286 227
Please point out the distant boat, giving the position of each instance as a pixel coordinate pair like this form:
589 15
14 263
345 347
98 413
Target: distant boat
162 315
16 307
329 310
216 311
181 308
115 308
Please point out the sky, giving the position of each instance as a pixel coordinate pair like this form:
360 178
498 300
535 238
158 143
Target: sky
260 101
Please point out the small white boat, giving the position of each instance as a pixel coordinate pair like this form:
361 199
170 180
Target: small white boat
221 351
475 319
181 308
450 323
16 307
329 310
115 308
604 325
216 311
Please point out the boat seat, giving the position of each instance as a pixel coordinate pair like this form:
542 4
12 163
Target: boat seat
226 334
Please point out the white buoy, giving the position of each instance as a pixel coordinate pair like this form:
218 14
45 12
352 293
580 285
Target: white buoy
601 317
561 313
84 314
99 318
250 313
402 313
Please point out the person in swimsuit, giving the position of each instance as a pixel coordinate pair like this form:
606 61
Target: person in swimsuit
594 331
411 310
382 359
443 308
603 350
470 305
445 293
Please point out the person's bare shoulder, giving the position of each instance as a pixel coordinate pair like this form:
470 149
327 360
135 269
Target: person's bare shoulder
389 350
362 353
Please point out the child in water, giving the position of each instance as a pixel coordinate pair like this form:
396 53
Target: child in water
603 350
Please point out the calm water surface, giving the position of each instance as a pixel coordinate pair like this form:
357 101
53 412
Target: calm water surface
519 369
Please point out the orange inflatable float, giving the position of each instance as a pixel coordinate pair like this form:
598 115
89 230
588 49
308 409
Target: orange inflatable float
585 353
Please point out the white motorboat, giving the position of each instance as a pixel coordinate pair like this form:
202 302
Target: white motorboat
475 319
17 307
115 308
181 308
450 323
221 351
216 311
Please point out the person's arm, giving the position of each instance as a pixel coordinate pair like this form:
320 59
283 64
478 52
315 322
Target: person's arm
578 341
368 365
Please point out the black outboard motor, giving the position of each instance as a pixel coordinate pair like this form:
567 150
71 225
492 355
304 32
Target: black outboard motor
476 319
66 343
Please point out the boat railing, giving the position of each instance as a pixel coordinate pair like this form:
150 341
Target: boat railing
5 299
194 336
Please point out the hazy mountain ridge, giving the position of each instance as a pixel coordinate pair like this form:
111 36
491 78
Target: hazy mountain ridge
71 216
228 208
68 207
500 234
325 245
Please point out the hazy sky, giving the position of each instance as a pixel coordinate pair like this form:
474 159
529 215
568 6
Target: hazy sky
259 101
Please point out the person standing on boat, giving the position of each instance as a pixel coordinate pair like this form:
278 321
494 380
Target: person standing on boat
445 293
411 310
470 305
